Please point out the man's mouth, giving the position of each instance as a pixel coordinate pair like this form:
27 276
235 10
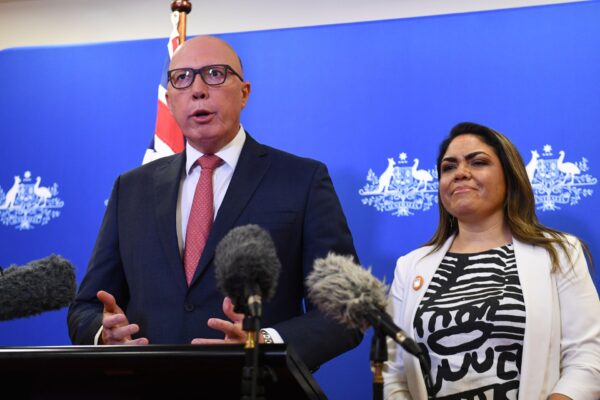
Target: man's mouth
202 116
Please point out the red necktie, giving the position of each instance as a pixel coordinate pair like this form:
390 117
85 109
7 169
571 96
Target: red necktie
201 215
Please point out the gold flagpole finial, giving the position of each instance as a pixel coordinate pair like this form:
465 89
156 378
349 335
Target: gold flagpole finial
184 7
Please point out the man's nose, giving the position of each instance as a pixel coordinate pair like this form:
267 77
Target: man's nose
199 88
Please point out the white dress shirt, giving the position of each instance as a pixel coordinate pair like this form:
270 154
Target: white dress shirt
230 154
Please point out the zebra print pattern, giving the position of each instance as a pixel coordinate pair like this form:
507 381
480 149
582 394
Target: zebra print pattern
471 324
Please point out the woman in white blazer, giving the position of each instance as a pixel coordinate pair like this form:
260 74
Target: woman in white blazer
502 306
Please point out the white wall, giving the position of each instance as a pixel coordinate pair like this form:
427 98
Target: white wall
42 22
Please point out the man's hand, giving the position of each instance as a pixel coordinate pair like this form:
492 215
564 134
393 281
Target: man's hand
116 328
232 329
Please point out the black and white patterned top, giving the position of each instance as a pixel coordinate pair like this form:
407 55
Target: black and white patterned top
471 324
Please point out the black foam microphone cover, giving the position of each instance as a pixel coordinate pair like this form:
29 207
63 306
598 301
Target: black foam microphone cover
247 263
41 285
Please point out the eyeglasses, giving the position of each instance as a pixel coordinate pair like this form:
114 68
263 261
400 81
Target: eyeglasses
212 75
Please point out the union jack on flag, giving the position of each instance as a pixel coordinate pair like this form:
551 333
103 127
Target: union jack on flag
167 138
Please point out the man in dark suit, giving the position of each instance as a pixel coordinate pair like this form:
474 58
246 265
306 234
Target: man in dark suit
136 290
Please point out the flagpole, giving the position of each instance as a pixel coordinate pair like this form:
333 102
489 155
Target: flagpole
184 7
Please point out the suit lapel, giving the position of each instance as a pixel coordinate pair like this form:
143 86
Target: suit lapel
250 170
166 191
533 264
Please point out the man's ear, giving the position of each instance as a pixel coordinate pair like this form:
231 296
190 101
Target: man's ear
246 88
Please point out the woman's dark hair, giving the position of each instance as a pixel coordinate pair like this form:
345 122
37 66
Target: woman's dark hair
519 204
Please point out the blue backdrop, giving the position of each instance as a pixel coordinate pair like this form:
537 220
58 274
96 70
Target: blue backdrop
352 95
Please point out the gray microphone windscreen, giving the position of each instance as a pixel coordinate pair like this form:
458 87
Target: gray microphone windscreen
247 256
345 291
42 285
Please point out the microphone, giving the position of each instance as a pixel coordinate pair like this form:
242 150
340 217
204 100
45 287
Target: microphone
42 285
247 268
350 294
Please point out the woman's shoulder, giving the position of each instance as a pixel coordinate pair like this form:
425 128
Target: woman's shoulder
569 240
415 255
572 250
572 244
568 248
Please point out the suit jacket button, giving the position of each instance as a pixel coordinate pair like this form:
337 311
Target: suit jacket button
188 307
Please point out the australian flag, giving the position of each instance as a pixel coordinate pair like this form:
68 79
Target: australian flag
167 138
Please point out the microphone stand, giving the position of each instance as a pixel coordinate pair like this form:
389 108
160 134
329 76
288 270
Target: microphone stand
425 370
379 356
252 387
384 326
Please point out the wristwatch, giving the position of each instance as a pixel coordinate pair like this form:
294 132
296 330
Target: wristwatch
266 337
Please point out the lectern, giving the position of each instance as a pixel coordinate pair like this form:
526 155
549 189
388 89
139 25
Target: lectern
149 372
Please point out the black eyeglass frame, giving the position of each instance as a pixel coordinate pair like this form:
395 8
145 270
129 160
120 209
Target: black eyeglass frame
198 71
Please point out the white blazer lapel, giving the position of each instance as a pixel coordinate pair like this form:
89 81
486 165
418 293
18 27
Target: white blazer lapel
424 268
533 265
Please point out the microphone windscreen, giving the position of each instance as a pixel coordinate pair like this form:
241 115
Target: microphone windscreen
42 285
247 256
345 291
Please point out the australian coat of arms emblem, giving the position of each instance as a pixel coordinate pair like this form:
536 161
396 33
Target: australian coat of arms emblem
27 203
401 188
556 181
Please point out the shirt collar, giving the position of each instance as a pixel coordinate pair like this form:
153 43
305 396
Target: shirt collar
230 154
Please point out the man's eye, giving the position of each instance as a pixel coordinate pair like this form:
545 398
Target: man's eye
180 76
215 73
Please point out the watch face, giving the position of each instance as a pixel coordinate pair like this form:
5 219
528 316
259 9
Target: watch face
267 338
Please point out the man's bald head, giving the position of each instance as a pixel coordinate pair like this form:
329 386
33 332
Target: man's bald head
204 46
